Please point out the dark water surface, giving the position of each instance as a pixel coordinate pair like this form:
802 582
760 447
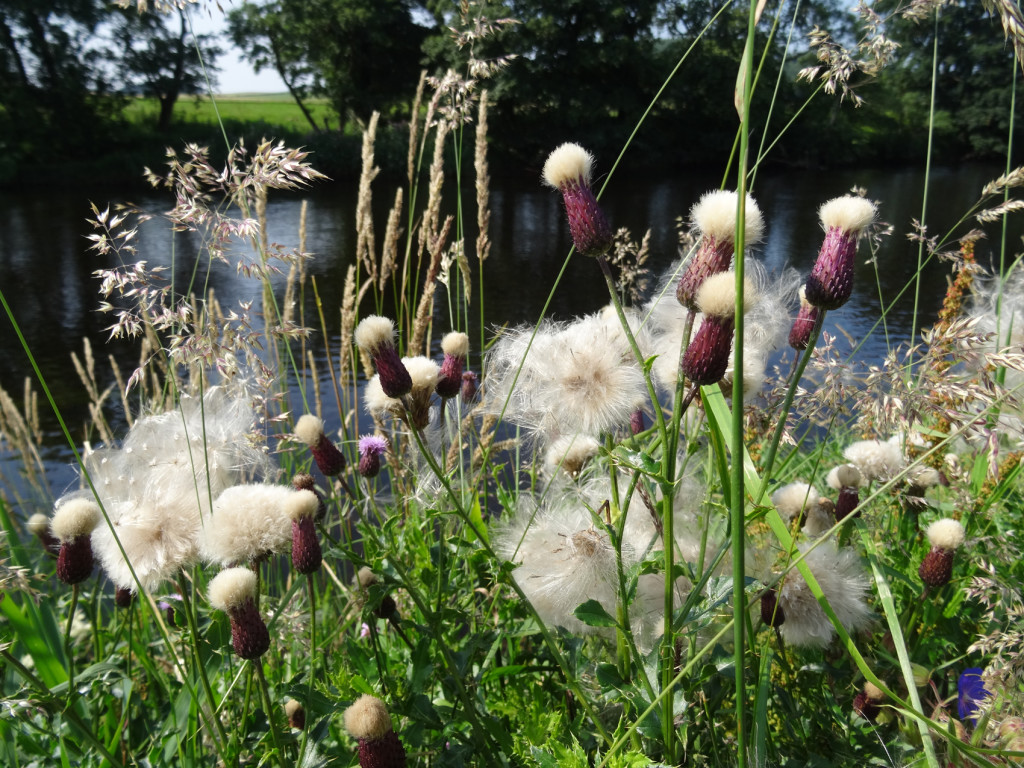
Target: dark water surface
46 269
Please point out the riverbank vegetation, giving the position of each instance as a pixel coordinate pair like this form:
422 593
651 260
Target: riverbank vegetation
683 530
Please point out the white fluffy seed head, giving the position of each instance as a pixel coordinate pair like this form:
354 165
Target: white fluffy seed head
367 718
946 534
791 499
248 522
423 371
873 692
844 476
38 524
849 212
876 459
717 296
570 453
366 577
75 518
309 429
924 477
374 332
715 215
455 344
570 163
232 588
301 504
379 404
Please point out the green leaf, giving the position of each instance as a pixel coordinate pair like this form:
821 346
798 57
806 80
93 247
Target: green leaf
593 614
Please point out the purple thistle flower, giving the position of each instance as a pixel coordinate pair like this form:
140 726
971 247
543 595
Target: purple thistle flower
371 448
831 281
568 169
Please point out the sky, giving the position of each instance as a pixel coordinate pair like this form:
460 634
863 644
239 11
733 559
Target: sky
236 75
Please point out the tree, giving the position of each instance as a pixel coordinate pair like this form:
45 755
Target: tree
163 62
51 73
363 55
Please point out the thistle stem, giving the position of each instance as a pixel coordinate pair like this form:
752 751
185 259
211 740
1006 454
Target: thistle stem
269 708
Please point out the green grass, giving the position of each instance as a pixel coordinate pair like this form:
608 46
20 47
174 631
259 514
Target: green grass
277 109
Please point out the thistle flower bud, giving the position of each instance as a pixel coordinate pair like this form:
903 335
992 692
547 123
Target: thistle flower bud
469 386
375 336
455 346
306 553
867 702
123 597
296 714
233 591
945 536
366 578
304 482
715 218
636 422
707 357
424 374
368 722
371 448
771 612
72 524
310 430
846 478
568 169
39 525
803 325
831 281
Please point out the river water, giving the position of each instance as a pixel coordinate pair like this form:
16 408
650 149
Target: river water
46 271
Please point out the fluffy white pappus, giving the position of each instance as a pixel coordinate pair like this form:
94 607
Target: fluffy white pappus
195 451
577 378
455 344
715 215
997 307
876 459
568 164
423 371
946 533
75 518
565 559
569 454
309 429
232 588
766 322
301 504
843 476
922 477
159 538
792 499
374 333
765 325
850 213
717 296
379 404
248 522
38 524
367 718
845 584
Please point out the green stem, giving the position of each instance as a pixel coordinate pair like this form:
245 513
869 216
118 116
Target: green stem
193 634
269 707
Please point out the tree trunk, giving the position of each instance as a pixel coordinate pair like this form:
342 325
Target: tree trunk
289 85
170 97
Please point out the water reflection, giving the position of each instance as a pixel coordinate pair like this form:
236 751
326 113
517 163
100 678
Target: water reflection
46 271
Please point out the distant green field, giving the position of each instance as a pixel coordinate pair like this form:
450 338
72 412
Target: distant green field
272 108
